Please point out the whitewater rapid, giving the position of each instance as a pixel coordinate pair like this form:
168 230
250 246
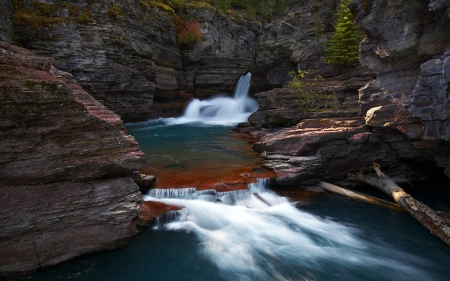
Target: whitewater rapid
261 236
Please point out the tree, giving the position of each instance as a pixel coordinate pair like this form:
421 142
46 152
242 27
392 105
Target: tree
343 47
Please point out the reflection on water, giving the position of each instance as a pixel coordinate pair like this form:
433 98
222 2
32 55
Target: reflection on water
196 154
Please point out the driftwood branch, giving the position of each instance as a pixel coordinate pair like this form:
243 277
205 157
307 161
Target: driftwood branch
421 212
359 196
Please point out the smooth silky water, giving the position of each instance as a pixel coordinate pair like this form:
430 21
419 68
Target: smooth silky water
254 234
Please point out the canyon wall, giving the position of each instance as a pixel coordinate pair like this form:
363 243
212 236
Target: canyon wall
407 46
65 168
400 119
125 53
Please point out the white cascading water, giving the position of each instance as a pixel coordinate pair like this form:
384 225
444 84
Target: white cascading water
258 235
221 110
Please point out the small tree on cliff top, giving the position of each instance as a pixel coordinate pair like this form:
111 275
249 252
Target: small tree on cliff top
343 47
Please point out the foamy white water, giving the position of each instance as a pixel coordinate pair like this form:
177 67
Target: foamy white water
261 236
221 110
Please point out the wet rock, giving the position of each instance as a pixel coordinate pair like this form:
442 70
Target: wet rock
145 182
64 168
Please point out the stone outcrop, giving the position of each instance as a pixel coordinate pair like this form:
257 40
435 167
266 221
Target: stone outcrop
280 108
214 65
126 55
65 168
407 46
403 120
295 40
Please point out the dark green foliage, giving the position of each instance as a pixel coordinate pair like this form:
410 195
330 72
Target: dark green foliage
343 47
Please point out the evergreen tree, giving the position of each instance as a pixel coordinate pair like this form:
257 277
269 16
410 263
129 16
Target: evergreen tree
343 47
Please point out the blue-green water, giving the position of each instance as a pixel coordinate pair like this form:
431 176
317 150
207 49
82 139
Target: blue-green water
329 238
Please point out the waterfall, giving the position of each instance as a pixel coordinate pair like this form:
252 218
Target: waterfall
221 110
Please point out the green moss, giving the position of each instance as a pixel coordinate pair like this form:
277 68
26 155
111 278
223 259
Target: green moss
85 18
148 4
33 18
115 12
45 8
199 5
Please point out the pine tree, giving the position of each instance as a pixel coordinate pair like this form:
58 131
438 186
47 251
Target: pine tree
343 47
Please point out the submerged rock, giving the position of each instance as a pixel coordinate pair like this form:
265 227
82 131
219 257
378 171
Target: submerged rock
64 168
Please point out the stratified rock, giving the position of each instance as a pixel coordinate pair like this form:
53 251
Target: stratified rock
295 40
131 62
322 149
64 168
214 65
408 48
280 107
123 61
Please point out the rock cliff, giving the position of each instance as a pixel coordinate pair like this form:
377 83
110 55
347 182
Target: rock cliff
295 40
403 113
65 168
125 53
407 46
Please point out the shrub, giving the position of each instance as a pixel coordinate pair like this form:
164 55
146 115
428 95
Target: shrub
188 31
312 98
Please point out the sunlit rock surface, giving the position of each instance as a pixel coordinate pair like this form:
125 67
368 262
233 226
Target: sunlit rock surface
407 47
65 166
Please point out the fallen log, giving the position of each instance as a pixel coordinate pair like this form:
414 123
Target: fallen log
421 212
359 196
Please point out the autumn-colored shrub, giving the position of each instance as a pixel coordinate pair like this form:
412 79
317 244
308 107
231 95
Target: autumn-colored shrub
188 31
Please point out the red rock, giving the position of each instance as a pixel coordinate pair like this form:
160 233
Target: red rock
65 168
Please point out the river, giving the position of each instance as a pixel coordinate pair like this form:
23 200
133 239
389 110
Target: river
234 228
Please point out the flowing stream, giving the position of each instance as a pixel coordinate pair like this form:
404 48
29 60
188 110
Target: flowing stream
231 232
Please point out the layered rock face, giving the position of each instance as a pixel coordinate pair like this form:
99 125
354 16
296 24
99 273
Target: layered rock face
295 40
403 114
408 47
65 168
126 55
122 52
214 65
